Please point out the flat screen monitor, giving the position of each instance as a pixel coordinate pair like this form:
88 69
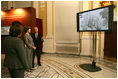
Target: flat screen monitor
5 30
99 19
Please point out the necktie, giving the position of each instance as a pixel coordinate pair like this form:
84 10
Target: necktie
36 35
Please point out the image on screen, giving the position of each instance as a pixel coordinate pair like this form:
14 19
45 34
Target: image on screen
5 30
94 20
99 19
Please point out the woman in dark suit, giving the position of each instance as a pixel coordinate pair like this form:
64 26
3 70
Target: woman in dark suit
15 57
29 46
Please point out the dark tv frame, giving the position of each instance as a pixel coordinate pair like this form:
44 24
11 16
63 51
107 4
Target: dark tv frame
110 19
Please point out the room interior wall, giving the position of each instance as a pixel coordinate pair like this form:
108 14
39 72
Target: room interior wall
65 21
85 38
22 4
19 4
66 36
35 5
61 20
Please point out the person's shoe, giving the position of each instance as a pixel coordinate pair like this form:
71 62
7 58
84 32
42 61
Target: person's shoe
28 70
34 68
39 65
31 70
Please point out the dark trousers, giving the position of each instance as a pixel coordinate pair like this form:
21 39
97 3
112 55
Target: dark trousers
16 73
38 53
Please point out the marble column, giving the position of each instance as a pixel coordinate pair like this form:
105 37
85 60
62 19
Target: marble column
48 41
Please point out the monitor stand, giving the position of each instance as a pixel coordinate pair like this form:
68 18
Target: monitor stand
92 67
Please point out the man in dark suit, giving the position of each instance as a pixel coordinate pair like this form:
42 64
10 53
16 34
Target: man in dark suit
37 39
15 58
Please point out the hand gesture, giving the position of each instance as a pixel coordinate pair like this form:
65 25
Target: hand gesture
34 48
25 45
42 39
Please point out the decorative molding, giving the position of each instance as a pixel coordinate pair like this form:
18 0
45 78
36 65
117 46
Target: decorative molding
99 41
49 37
105 3
12 3
4 5
81 33
42 14
48 45
53 24
32 3
67 42
68 48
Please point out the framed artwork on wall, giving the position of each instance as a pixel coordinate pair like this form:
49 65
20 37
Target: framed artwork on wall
5 30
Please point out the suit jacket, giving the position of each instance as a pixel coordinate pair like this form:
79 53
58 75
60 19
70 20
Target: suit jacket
28 41
29 51
37 41
15 57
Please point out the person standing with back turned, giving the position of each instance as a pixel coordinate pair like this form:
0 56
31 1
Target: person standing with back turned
15 57
37 39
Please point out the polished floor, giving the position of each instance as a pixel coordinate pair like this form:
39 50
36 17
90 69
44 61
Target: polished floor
67 66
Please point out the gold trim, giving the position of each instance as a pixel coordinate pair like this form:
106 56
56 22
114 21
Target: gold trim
32 3
52 18
12 3
1 5
42 14
90 4
53 24
81 33
7 5
115 3
46 19
39 10
90 7
99 36
81 3
99 43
